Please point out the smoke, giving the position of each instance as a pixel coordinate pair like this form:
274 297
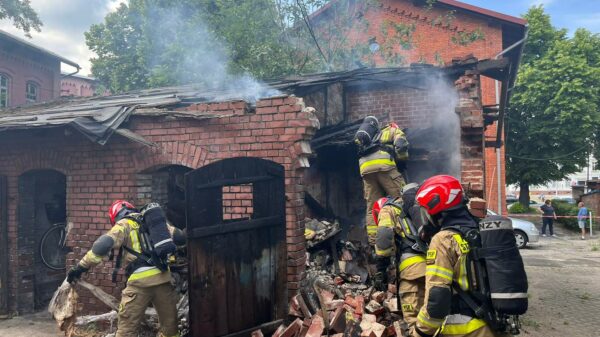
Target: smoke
181 49
436 133
446 124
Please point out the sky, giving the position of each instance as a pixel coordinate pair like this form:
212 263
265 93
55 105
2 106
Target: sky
65 21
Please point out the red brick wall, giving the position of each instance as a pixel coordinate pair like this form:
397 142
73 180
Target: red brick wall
237 202
20 68
97 175
432 43
75 86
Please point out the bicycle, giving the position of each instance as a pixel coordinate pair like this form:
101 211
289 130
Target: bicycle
53 247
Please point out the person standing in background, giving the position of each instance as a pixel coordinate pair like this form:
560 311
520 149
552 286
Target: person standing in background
582 216
548 218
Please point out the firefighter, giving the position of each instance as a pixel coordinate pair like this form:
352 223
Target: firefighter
145 282
379 149
398 227
444 313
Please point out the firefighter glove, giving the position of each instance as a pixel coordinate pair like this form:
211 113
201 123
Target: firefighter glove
380 281
74 273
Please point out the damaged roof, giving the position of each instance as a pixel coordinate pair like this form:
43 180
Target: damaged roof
100 117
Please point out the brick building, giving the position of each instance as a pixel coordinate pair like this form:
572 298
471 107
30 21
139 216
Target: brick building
67 161
28 73
78 86
434 34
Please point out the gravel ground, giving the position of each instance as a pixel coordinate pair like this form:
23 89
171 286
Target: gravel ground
564 291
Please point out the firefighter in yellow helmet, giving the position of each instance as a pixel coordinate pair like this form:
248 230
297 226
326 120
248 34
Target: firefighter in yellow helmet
146 282
445 312
398 227
379 149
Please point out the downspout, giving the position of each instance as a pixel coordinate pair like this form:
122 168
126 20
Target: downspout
520 43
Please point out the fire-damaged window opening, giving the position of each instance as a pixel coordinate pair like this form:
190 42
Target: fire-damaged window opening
237 202
165 185
425 109
42 215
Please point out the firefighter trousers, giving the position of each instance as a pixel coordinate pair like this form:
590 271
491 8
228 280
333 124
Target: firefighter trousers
412 297
135 300
465 326
378 185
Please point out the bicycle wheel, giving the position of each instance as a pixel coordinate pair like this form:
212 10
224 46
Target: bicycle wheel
52 247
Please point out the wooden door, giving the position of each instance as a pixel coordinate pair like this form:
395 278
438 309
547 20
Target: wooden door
3 248
235 216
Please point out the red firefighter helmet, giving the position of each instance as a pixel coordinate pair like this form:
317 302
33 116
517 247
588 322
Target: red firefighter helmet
116 207
377 206
440 193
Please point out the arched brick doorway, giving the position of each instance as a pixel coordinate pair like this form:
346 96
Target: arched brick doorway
41 204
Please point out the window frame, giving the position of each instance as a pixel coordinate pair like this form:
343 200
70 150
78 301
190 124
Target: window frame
5 88
32 84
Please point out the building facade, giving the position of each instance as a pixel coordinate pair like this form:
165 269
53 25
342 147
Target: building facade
28 73
79 86
408 31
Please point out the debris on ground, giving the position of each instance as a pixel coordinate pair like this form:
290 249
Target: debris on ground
335 298
316 231
63 308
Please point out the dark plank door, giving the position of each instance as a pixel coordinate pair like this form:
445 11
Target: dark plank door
3 248
235 215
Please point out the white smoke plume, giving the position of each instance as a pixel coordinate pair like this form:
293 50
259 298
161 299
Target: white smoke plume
181 41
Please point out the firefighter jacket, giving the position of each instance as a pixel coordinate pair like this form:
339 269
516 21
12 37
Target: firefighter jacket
392 233
126 233
443 310
392 146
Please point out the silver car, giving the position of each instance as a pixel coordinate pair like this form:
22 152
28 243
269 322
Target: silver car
525 231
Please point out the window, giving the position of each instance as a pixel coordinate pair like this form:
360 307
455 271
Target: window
4 84
32 90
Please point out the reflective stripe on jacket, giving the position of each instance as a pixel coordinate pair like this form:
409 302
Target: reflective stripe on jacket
126 232
380 160
446 263
392 223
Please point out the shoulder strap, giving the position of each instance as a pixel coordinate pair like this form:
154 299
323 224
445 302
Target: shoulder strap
117 264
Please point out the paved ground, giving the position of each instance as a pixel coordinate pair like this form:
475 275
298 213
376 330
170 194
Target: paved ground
564 286
36 325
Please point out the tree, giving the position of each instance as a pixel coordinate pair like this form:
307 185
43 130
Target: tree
553 117
21 14
151 43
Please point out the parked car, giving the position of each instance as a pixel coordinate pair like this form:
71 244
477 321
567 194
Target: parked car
511 199
525 231
566 199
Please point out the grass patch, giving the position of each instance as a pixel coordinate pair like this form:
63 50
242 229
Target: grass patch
531 323
584 296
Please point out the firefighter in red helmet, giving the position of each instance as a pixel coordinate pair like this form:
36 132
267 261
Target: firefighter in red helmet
444 312
399 223
146 283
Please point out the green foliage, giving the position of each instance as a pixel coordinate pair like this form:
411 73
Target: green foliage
541 36
562 208
21 14
517 208
466 38
554 114
150 43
